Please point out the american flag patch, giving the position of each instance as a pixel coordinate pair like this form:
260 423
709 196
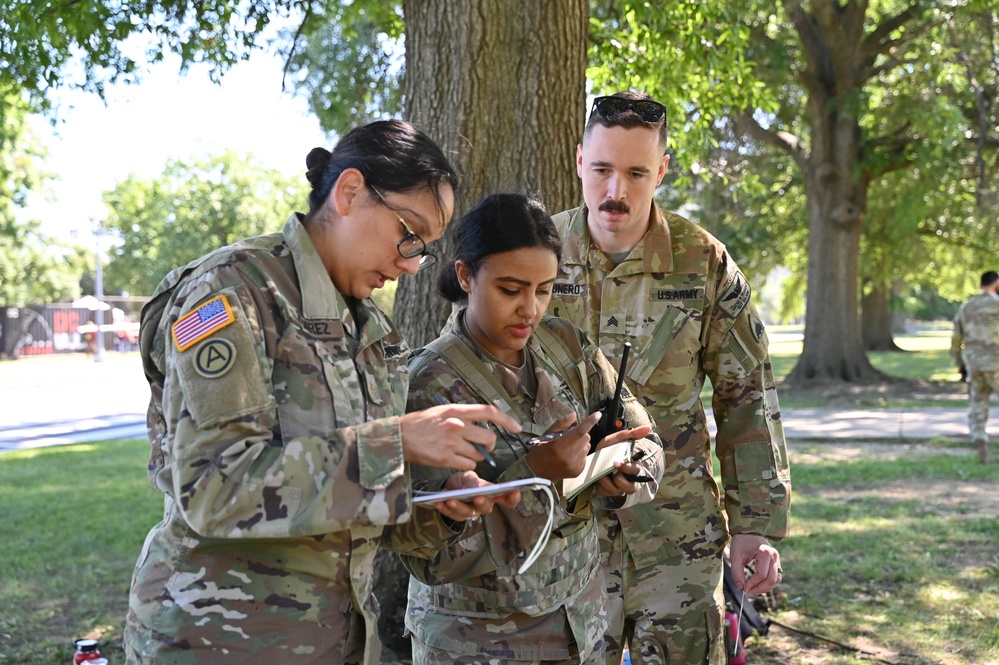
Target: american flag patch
209 318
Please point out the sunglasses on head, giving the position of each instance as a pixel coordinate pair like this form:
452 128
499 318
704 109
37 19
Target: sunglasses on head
611 107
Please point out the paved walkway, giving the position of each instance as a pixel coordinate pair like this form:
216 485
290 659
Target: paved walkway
71 399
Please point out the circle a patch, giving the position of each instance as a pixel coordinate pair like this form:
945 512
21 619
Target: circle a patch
214 358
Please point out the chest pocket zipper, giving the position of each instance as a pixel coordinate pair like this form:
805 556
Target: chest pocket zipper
345 386
655 347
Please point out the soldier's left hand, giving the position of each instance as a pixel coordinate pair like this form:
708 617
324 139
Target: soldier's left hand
767 573
461 511
636 433
616 484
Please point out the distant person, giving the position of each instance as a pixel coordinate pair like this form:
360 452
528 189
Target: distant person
631 272
278 426
90 338
470 603
974 348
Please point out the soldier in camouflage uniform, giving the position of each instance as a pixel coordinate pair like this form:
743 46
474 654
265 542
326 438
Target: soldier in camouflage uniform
974 347
469 603
632 273
277 427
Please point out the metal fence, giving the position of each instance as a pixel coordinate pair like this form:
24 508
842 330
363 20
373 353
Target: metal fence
63 328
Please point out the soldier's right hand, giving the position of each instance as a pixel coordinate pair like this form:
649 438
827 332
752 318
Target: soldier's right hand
446 435
461 511
565 455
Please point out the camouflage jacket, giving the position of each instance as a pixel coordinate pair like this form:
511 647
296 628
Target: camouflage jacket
975 341
467 597
274 424
685 307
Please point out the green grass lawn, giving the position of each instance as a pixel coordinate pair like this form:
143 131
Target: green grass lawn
924 356
73 522
883 558
914 576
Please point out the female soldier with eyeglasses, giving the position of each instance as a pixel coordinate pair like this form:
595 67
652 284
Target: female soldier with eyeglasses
278 426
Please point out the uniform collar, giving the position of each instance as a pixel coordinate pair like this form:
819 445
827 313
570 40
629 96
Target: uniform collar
652 254
320 299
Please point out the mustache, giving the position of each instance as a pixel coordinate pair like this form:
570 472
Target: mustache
613 205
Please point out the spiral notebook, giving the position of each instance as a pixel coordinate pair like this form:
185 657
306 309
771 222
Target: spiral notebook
598 465
469 493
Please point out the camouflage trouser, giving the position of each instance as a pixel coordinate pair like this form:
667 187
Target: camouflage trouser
424 654
981 386
669 614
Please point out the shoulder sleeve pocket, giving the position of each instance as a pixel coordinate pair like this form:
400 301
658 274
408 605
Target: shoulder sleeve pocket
225 375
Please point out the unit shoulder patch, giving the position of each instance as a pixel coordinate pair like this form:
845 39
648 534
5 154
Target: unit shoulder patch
207 319
736 296
214 358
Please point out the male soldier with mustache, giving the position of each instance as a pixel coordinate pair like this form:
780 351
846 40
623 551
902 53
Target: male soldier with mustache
633 273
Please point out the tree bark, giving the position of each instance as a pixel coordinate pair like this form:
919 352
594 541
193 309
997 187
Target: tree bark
836 188
500 85
876 320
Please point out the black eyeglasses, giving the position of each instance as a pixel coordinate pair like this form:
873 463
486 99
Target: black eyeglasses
411 244
611 107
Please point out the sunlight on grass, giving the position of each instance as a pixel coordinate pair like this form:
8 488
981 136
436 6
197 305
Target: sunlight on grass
944 592
854 526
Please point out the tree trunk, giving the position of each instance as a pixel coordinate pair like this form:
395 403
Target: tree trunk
836 188
500 85
876 320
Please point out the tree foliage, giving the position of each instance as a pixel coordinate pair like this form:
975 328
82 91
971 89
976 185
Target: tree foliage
90 43
33 267
866 103
689 54
193 208
347 59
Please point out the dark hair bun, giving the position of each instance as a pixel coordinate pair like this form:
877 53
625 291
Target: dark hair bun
317 160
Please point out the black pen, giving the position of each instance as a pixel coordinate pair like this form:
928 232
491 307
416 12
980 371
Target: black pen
545 438
478 446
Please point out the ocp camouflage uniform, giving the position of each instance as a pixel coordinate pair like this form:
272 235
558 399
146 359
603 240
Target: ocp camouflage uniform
685 307
467 604
276 442
975 343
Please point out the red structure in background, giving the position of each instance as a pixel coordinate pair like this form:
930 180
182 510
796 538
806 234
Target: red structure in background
60 328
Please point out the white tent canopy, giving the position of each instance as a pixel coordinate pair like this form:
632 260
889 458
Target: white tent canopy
90 302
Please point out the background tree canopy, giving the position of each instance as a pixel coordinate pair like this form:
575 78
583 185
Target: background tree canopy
193 208
850 142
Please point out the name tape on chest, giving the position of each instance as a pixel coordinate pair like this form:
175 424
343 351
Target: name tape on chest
569 289
667 293
204 321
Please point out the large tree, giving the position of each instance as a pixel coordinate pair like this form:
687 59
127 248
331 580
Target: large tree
500 84
853 111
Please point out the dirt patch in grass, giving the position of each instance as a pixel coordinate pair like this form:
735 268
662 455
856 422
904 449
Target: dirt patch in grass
970 498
